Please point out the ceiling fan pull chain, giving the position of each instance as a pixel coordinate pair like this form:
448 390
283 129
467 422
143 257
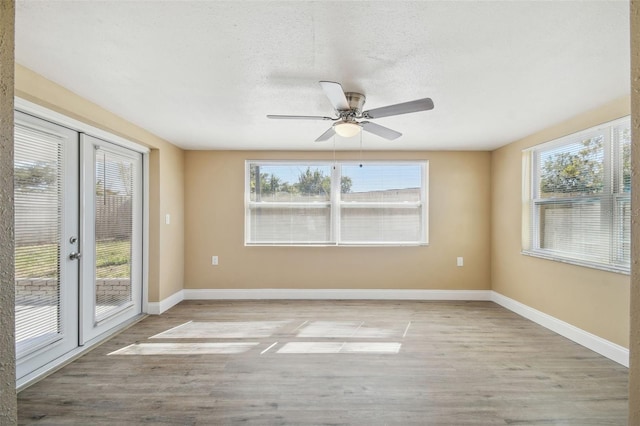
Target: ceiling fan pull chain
361 149
334 151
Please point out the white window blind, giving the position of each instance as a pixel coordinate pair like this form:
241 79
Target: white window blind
38 209
342 203
385 204
577 198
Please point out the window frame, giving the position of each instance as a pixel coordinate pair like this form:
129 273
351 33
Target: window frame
611 199
335 204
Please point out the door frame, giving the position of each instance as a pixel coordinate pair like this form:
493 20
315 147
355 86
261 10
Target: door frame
46 114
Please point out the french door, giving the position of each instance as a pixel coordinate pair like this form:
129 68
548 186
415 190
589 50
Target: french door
78 239
111 267
46 241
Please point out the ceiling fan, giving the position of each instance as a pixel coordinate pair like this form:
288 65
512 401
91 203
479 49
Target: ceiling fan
348 111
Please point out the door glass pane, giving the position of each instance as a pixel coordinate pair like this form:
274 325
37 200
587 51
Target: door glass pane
113 227
38 212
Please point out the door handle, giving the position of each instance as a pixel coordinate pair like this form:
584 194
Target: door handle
75 255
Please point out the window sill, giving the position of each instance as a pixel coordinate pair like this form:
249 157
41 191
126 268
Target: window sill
609 268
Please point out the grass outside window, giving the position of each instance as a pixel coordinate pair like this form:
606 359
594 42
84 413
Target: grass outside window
112 260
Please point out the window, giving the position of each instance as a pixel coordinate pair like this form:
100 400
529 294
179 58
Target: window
342 203
577 192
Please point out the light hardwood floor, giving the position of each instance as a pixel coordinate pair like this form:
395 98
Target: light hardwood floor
366 363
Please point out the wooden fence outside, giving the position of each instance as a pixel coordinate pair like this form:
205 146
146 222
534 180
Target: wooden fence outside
37 226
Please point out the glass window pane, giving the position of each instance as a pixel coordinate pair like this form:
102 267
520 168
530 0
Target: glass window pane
378 225
576 229
290 224
575 168
289 183
623 135
623 254
381 182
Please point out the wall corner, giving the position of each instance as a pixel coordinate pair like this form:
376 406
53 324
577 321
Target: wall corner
8 399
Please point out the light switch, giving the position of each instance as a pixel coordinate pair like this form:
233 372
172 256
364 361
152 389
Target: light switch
460 261
167 218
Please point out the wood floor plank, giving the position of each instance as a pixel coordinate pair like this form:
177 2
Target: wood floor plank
459 363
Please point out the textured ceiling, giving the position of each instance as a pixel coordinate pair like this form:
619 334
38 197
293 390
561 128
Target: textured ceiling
203 74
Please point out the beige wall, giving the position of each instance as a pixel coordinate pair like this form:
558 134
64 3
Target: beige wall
166 251
459 225
634 347
171 244
8 403
593 300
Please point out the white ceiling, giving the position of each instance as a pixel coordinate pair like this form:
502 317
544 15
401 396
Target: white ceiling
203 74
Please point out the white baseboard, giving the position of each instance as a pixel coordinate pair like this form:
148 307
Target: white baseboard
597 344
334 294
156 308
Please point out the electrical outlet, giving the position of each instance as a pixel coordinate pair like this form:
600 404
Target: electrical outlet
460 261
214 260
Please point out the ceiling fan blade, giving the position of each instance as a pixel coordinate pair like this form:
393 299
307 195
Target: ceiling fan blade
326 135
335 94
299 117
383 132
397 109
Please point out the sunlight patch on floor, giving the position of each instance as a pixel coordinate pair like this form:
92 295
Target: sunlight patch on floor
346 329
340 347
222 330
185 348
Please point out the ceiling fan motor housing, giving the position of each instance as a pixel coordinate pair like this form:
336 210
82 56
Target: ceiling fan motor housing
356 102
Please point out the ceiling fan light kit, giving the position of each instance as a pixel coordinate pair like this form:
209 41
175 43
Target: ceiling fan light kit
347 129
348 110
